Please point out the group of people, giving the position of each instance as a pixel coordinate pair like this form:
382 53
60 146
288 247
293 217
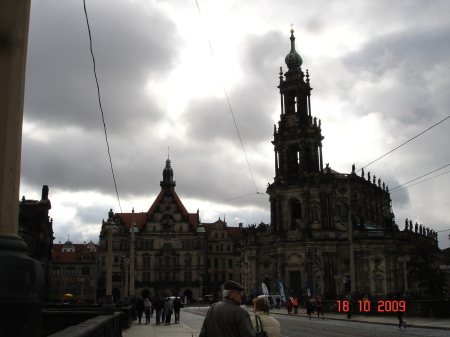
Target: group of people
163 309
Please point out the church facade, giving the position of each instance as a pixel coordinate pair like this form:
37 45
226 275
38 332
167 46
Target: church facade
331 233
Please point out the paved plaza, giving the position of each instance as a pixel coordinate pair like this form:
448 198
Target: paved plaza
299 325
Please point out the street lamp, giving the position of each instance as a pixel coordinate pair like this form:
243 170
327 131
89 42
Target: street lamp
108 307
404 258
126 262
82 286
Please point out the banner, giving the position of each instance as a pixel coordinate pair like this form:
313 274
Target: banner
308 289
265 290
283 296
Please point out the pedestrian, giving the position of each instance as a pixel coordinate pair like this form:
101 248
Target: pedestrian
309 306
401 323
168 310
227 318
278 303
265 322
348 298
176 309
140 308
319 306
289 306
159 305
147 306
295 304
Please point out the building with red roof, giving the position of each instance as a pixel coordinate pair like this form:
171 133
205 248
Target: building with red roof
172 255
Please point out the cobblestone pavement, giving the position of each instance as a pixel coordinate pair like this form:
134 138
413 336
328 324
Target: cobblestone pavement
296 326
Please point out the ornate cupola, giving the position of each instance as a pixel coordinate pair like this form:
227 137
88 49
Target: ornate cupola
167 183
298 140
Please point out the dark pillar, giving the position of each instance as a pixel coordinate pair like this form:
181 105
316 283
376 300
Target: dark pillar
20 276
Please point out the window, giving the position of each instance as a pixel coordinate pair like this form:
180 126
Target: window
154 228
116 259
224 277
174 277
223 263
85 271
208 277
210 248
216 277
296 210
181 228
167 261
187 276
216 263
228 248
199 261
146 276
71 271
230 276
174 261
220 248
209 263
230 264
160 261
56 271
216 235
222 235
187 261
167 277
146 261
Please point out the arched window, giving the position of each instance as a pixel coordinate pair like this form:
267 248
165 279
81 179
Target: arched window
296 209
343 211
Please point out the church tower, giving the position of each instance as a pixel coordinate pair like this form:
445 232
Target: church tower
298 140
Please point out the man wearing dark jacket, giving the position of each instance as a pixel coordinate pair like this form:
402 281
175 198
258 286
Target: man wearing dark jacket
227 318
176 309
159 305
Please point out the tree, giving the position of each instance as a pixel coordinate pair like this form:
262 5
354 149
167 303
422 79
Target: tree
424 266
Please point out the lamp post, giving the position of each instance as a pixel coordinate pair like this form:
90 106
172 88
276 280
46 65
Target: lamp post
403 258
108 307
125 292
82 288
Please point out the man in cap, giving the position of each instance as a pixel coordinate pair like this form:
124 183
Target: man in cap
227 318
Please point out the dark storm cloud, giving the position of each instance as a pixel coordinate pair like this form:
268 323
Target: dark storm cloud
130 48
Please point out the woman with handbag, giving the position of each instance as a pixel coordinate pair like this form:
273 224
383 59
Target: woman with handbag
263 323
168 310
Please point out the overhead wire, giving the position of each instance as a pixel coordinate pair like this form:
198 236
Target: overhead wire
100 103
231 110
398 190
419 177
404 143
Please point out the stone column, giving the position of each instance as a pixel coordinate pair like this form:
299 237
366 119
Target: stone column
20 277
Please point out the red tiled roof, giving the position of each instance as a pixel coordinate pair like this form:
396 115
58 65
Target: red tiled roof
59 256
141 218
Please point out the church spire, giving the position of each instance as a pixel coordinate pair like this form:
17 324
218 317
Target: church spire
167 182
293 59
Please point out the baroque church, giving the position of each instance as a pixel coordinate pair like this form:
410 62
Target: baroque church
335 231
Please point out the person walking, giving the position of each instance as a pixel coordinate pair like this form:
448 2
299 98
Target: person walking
148 308
319 302
289 306
309 306
401 323
176 309
140 308
168 310
159 305
267 323
278 303
295 304
348 298
227 318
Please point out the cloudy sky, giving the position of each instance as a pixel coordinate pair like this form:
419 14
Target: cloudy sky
380 72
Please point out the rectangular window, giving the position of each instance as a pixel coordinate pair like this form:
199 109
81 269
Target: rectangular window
210 248
208 277
216 277
223 263
216 263
187 261
160 261
230 276
174 277
199 261
216 235
209 263
166 277
174 261
222 235
187 276
230 263
224 277
228 248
